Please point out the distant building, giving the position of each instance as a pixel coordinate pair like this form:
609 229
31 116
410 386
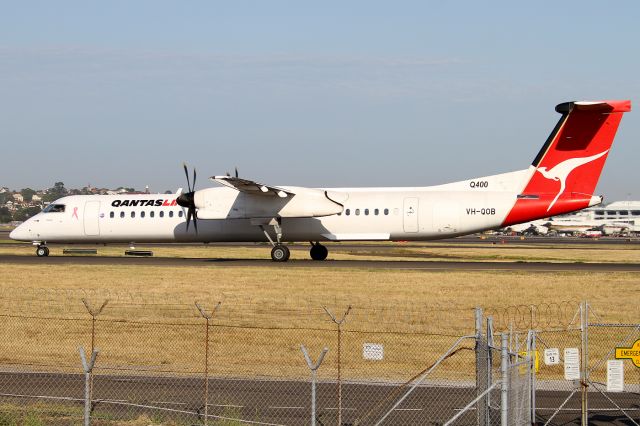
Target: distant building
36 198
18 197
614 218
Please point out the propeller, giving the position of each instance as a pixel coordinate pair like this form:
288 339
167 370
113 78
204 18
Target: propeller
186 199
229 175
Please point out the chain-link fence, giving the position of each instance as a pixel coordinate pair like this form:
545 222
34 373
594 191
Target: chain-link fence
230 362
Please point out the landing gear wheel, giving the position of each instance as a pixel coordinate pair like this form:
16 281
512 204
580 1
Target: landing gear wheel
42 251
318 252
280 253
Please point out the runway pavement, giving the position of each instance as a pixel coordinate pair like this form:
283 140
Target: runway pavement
354 264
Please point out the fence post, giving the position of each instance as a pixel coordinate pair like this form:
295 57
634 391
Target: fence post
584 373
94 314
533 377
490 347
481 370
504 371
207 316
339 324
88 368
314 373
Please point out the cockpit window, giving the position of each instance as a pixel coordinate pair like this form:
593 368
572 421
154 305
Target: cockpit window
54 208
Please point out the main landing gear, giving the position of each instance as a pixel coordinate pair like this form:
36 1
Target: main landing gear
318 251
280 252
42 250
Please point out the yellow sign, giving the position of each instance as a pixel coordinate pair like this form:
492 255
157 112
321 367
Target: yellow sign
536 359
632 353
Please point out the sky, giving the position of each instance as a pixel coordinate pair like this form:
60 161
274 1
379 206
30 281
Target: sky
322 94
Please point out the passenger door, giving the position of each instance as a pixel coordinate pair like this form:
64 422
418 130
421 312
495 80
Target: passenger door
91 218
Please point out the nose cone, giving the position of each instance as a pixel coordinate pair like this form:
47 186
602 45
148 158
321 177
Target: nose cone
21 233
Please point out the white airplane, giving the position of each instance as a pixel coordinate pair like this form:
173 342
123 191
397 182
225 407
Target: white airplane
561 179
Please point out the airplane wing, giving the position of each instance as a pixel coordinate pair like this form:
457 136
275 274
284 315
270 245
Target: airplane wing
251 187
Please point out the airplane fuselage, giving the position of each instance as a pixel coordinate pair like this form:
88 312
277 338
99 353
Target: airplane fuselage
561 179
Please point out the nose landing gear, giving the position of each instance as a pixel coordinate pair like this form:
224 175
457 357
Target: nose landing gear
42 251
280 253
318 251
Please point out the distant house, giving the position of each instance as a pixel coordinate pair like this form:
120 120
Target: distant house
36 198
18 197
4 189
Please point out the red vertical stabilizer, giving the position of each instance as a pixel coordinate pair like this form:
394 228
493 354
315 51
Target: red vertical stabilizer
568 166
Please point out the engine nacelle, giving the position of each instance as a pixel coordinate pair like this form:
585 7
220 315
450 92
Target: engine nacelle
223 203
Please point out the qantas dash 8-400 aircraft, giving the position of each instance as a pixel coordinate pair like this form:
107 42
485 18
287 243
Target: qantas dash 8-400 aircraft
561 179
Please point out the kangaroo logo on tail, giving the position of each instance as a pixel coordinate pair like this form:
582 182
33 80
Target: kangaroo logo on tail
561 171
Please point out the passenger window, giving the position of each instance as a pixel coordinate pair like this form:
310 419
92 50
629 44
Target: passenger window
151 213
161 214
366 212
111 215
357 212
142 214
180 213
171 213
386 212
133 214
121 214
376 212
347 212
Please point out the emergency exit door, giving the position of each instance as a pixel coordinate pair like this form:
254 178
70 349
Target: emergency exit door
410 215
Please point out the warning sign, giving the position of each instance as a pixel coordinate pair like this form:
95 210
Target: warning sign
552 356
533 354
571 364
615 375
373 351
632 353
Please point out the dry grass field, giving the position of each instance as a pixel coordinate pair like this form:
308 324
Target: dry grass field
417 314
266 313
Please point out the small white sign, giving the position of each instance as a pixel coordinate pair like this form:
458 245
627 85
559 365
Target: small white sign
552 356
615 375
571 364
373 351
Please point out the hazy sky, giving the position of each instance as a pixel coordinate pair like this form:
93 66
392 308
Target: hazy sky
305 93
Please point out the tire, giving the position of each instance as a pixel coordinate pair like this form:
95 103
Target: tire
318 252
42 251
46 250
280 253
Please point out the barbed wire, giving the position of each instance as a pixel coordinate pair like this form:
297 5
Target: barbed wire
243 310
534 316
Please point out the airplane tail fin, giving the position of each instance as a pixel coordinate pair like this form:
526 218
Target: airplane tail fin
567 168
